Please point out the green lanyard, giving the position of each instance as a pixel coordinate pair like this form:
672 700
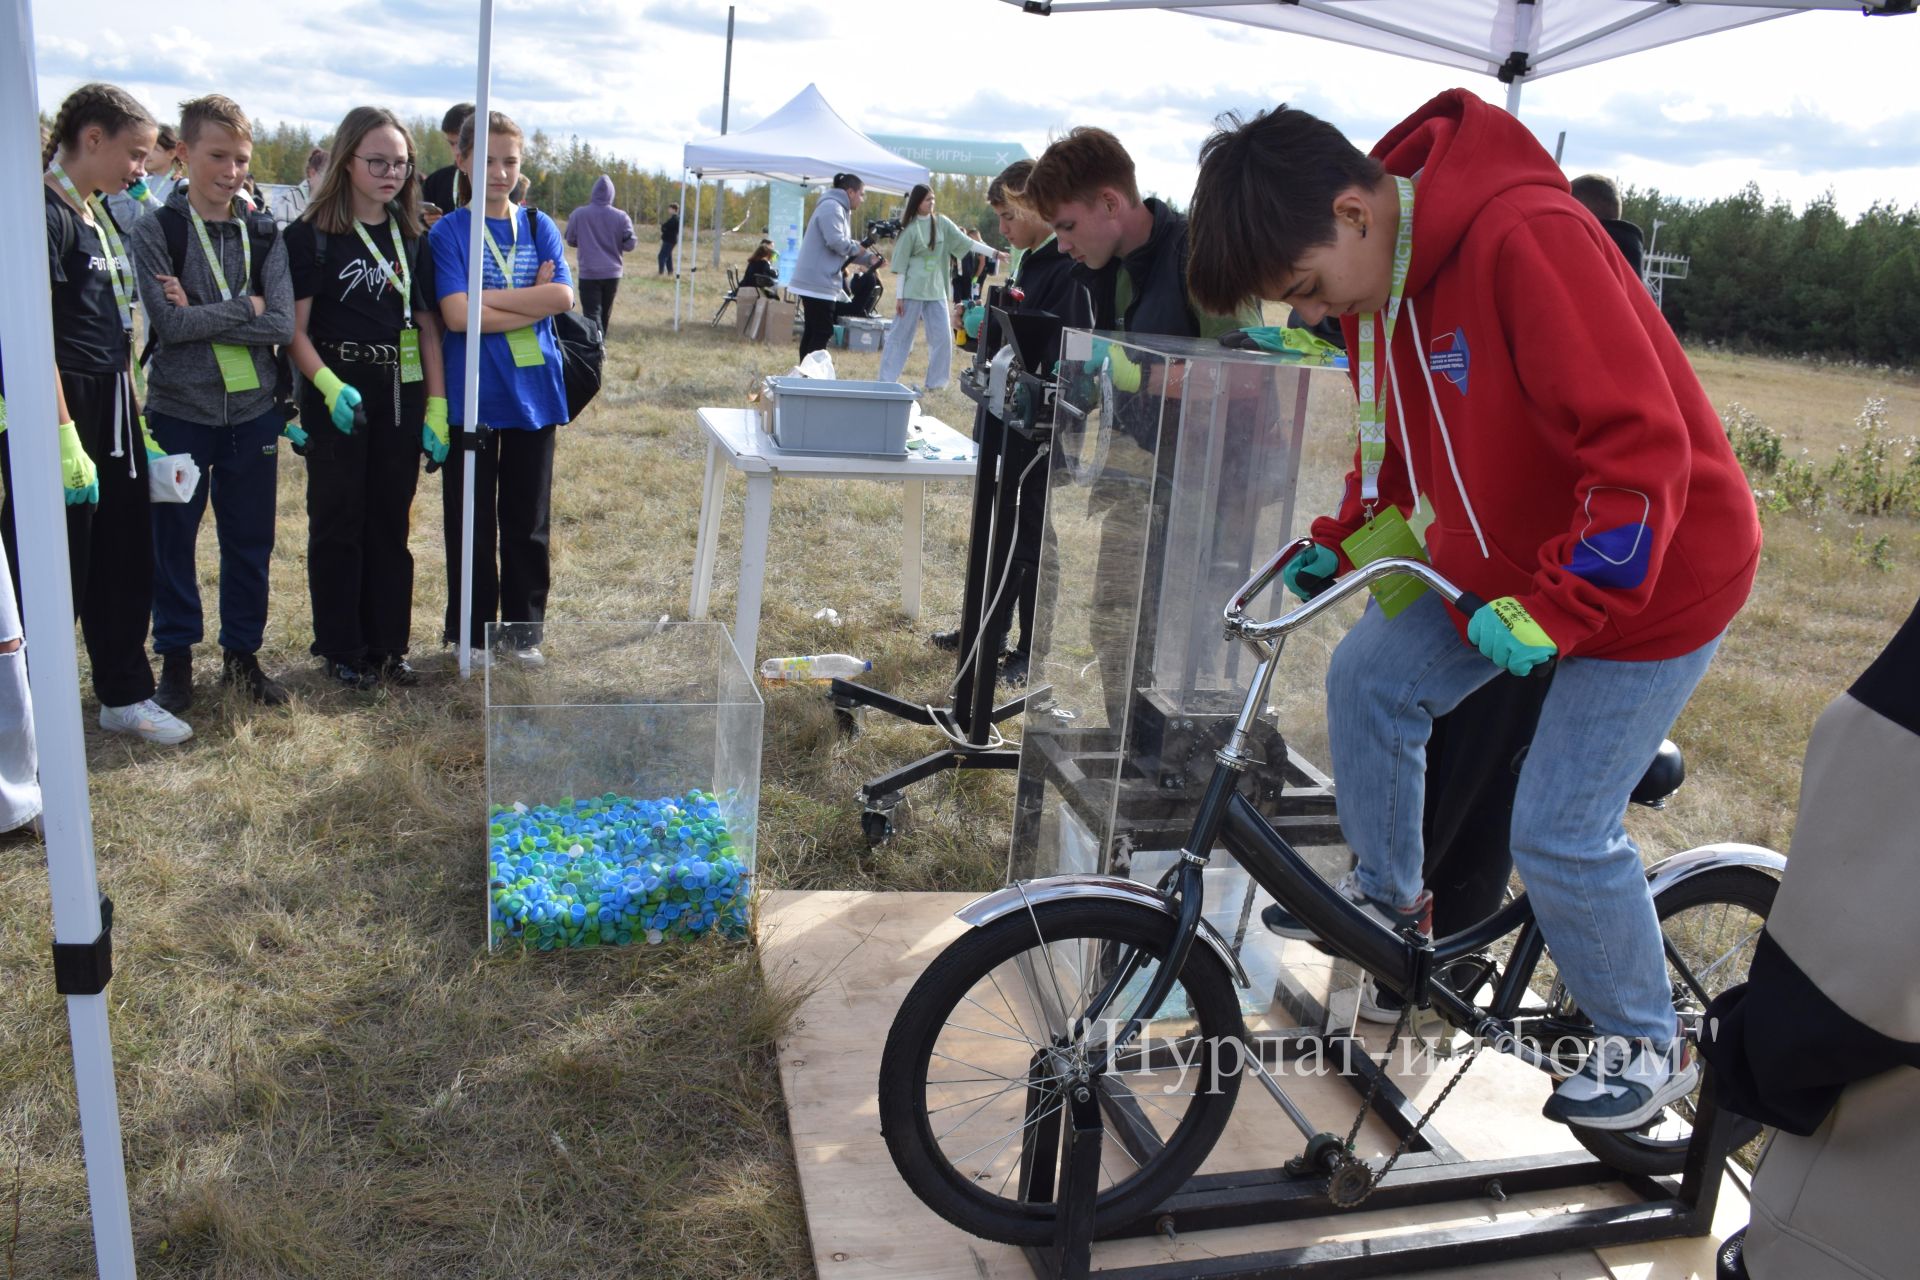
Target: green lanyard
116 252
505 263
400 278
1373 418
213 259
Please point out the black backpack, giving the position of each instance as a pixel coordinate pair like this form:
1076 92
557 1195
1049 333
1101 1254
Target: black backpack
262 229
583 356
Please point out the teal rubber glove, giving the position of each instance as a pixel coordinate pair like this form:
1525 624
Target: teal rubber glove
297 434
146 438
971 318
433 432
77 474
1282 339
1125 373
341 399
1316 561
1504 631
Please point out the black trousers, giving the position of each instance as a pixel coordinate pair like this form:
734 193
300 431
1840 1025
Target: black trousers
816 325
596 299
360 491
512 508
109 545
665 258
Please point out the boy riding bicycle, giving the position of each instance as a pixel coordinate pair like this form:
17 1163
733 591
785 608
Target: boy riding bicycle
1524 404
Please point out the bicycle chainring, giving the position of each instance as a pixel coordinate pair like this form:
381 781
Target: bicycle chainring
1351 1183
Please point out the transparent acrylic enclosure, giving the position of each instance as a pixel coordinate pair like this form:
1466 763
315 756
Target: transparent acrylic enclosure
1168 486
623 784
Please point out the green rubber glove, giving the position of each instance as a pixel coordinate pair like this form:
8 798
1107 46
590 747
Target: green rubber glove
1316 561
146 438
77 474
341 399
433 432
1283 339
1126 374
1504 631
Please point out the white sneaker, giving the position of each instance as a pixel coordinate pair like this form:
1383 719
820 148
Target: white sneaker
148 720
1624 1084
529 657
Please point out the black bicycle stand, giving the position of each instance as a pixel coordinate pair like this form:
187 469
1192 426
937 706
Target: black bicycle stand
969 720
1064 1167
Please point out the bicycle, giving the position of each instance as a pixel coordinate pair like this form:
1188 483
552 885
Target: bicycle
1044 1001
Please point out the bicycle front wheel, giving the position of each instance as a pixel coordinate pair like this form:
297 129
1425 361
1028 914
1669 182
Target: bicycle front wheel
974 1078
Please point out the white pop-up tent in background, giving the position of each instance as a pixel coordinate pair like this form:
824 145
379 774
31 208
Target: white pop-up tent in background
805 142
1515 40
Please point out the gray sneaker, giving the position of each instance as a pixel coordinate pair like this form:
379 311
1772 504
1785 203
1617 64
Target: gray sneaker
1420 918
147 720
1624 1084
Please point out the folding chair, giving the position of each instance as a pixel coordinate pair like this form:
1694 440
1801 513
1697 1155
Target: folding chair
733 293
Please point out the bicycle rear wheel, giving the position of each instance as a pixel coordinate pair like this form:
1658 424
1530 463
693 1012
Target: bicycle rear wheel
974 1076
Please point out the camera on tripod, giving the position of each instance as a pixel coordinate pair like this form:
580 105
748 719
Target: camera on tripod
882 229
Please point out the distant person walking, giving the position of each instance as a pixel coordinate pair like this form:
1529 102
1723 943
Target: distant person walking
825 249
927 245
603 233
669 238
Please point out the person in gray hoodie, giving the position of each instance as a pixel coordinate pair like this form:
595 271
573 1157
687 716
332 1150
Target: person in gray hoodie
827 247
218 298
602 232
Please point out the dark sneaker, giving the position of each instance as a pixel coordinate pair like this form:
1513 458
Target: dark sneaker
1624 1084
242 670
946 641
351 673
397 671
1420 918
1013 668
175 693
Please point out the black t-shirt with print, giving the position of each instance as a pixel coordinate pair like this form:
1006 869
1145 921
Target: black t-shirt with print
353 300
87 337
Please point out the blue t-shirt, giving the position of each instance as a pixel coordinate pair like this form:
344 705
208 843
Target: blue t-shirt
510 396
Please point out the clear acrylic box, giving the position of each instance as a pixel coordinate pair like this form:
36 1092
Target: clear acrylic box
1161 502
623 784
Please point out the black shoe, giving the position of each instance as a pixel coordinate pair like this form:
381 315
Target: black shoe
175 693
243 671
397 671
946 640
352 673
1013 668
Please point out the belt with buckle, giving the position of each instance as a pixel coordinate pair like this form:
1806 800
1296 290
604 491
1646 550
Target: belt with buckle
363 352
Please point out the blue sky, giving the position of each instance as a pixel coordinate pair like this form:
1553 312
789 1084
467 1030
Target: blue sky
1800 106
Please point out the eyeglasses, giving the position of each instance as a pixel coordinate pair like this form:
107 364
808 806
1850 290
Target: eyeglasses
380 166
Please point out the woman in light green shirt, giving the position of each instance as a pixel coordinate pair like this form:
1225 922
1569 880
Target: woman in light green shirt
922 258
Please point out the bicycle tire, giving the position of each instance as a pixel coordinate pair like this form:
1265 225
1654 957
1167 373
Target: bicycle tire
961 1195
1747 889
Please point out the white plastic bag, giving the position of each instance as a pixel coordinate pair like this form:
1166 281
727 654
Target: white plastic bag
815 364
172 478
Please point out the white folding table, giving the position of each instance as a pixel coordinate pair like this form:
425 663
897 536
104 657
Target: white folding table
734 439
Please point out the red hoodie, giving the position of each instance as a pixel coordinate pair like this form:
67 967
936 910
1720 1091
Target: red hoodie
1570 455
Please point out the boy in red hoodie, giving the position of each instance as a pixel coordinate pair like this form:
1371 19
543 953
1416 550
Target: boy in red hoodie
1524 404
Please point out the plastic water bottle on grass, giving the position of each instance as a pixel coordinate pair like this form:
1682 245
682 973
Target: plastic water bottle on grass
814 666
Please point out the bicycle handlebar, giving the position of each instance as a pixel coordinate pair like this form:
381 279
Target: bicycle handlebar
1465 601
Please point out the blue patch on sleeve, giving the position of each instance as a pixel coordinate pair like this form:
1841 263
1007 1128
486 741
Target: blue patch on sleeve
1617 558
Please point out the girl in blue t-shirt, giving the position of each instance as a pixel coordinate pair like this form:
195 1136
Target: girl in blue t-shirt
525 283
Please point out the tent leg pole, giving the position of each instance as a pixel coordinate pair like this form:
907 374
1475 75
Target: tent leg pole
676 257
1513 98
100 1134
693 272
470 404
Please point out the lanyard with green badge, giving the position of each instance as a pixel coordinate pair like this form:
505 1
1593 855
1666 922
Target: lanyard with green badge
1388 533
236 362
523 342
116 260
400 276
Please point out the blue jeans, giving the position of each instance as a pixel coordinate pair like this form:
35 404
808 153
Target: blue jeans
239 466
1601 724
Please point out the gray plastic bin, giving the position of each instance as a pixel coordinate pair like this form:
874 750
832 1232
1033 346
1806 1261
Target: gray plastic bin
836 415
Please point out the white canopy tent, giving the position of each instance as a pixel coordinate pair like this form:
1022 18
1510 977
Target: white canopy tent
805 142
1515 40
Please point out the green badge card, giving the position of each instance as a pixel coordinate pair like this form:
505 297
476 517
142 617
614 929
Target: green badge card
525 345
410 370
236 366
1388 535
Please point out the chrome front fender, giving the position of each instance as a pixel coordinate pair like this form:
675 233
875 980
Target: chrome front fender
1024 893
1668 872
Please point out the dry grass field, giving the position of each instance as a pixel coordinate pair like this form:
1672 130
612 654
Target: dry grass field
322 1073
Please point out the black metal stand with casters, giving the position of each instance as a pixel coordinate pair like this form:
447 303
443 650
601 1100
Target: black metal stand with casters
1324 1182
1008 399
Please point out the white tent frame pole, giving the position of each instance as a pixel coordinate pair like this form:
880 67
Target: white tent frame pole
676 254
26 335
476 276
693 272
1525 15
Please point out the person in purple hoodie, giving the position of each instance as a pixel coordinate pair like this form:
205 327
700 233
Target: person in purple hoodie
602 233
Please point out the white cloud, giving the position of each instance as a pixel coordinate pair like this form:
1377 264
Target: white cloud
1800 105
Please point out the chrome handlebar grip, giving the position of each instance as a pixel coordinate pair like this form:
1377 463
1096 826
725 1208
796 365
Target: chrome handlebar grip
1343 587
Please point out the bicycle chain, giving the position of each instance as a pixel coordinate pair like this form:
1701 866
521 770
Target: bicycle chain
1406 1139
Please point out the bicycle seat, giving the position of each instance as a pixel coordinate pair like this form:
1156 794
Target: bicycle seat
1662 778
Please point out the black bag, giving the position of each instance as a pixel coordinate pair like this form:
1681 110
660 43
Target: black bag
583 350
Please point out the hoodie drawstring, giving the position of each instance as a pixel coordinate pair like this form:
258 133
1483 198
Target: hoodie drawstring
1446 439
122 420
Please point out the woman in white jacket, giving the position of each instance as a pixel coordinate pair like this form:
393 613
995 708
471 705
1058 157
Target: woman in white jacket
827 247
922 258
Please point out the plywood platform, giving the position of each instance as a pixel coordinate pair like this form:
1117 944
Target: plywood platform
859 953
